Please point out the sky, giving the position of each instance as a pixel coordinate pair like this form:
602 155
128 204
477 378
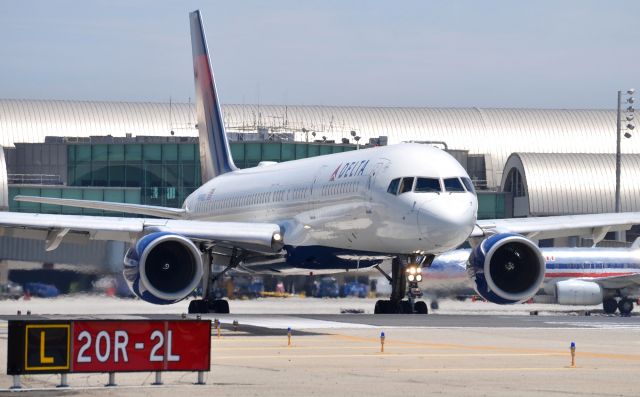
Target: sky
490 53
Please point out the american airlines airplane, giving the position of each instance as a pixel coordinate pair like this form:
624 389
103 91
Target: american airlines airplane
573 276
406 203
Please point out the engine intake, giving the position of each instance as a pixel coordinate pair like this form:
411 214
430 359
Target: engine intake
506 268
163 268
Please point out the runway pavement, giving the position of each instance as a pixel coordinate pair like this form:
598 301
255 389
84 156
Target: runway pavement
485 353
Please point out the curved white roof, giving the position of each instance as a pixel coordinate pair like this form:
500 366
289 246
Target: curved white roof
494 132
576 183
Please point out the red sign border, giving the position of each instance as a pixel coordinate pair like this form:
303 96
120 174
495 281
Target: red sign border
71 345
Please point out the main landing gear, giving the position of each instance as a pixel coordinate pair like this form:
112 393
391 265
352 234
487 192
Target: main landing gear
207 304
624 305
406 273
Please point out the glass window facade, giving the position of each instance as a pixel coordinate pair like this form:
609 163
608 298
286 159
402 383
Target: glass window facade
119 195
165 174
249 154
493 205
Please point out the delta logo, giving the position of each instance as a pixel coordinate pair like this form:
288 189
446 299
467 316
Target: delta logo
349 170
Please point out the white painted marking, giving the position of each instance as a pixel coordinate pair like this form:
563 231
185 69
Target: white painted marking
597 325
284 322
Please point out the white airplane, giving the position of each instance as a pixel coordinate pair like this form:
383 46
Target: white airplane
343 211
573 276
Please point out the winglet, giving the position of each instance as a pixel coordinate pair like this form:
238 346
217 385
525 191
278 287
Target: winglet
215 156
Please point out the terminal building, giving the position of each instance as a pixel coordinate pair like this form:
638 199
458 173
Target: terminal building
524 162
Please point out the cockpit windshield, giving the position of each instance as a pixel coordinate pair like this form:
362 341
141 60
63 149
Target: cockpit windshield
393 186
406 185
468 184
453 185
430 185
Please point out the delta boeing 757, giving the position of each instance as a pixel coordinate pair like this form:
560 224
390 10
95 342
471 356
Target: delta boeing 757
406 203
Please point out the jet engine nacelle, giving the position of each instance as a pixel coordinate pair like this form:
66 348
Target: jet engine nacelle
578 292
163 268
506 268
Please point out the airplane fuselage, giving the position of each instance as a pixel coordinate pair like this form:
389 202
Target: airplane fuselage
448 274
342 201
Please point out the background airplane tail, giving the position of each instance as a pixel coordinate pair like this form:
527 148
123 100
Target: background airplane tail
215 156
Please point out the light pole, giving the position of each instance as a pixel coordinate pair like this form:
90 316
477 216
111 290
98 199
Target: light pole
629 127
357 139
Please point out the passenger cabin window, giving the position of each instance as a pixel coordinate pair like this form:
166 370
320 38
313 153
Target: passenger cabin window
406 185
468 184
453 185
428 185
393 186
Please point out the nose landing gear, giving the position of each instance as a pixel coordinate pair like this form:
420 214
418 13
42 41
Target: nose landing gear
406 273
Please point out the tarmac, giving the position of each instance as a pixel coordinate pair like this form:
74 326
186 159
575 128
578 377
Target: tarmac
464 348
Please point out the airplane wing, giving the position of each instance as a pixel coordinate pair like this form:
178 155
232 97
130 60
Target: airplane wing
618 282
260 237
595 225
150 210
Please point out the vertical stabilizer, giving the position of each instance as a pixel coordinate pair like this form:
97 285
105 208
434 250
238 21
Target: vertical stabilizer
215 156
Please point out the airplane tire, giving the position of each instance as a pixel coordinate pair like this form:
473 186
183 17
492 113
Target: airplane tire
420 308
223 306
388 307
380 307
405 308
219 306
609 305
625 306
198 306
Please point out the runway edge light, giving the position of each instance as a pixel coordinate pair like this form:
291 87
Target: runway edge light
573 354
382 337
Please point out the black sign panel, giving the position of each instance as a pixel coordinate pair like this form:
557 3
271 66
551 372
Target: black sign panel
47 347
38 347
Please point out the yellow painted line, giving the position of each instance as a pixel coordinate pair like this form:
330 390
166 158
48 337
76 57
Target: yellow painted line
496 369
383 355
390 341
293 347
615 356
226 338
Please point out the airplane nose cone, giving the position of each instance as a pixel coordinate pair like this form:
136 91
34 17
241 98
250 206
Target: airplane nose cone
447 221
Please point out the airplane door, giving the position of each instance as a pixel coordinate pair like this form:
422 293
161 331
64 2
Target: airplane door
275 201
316 192
379 169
